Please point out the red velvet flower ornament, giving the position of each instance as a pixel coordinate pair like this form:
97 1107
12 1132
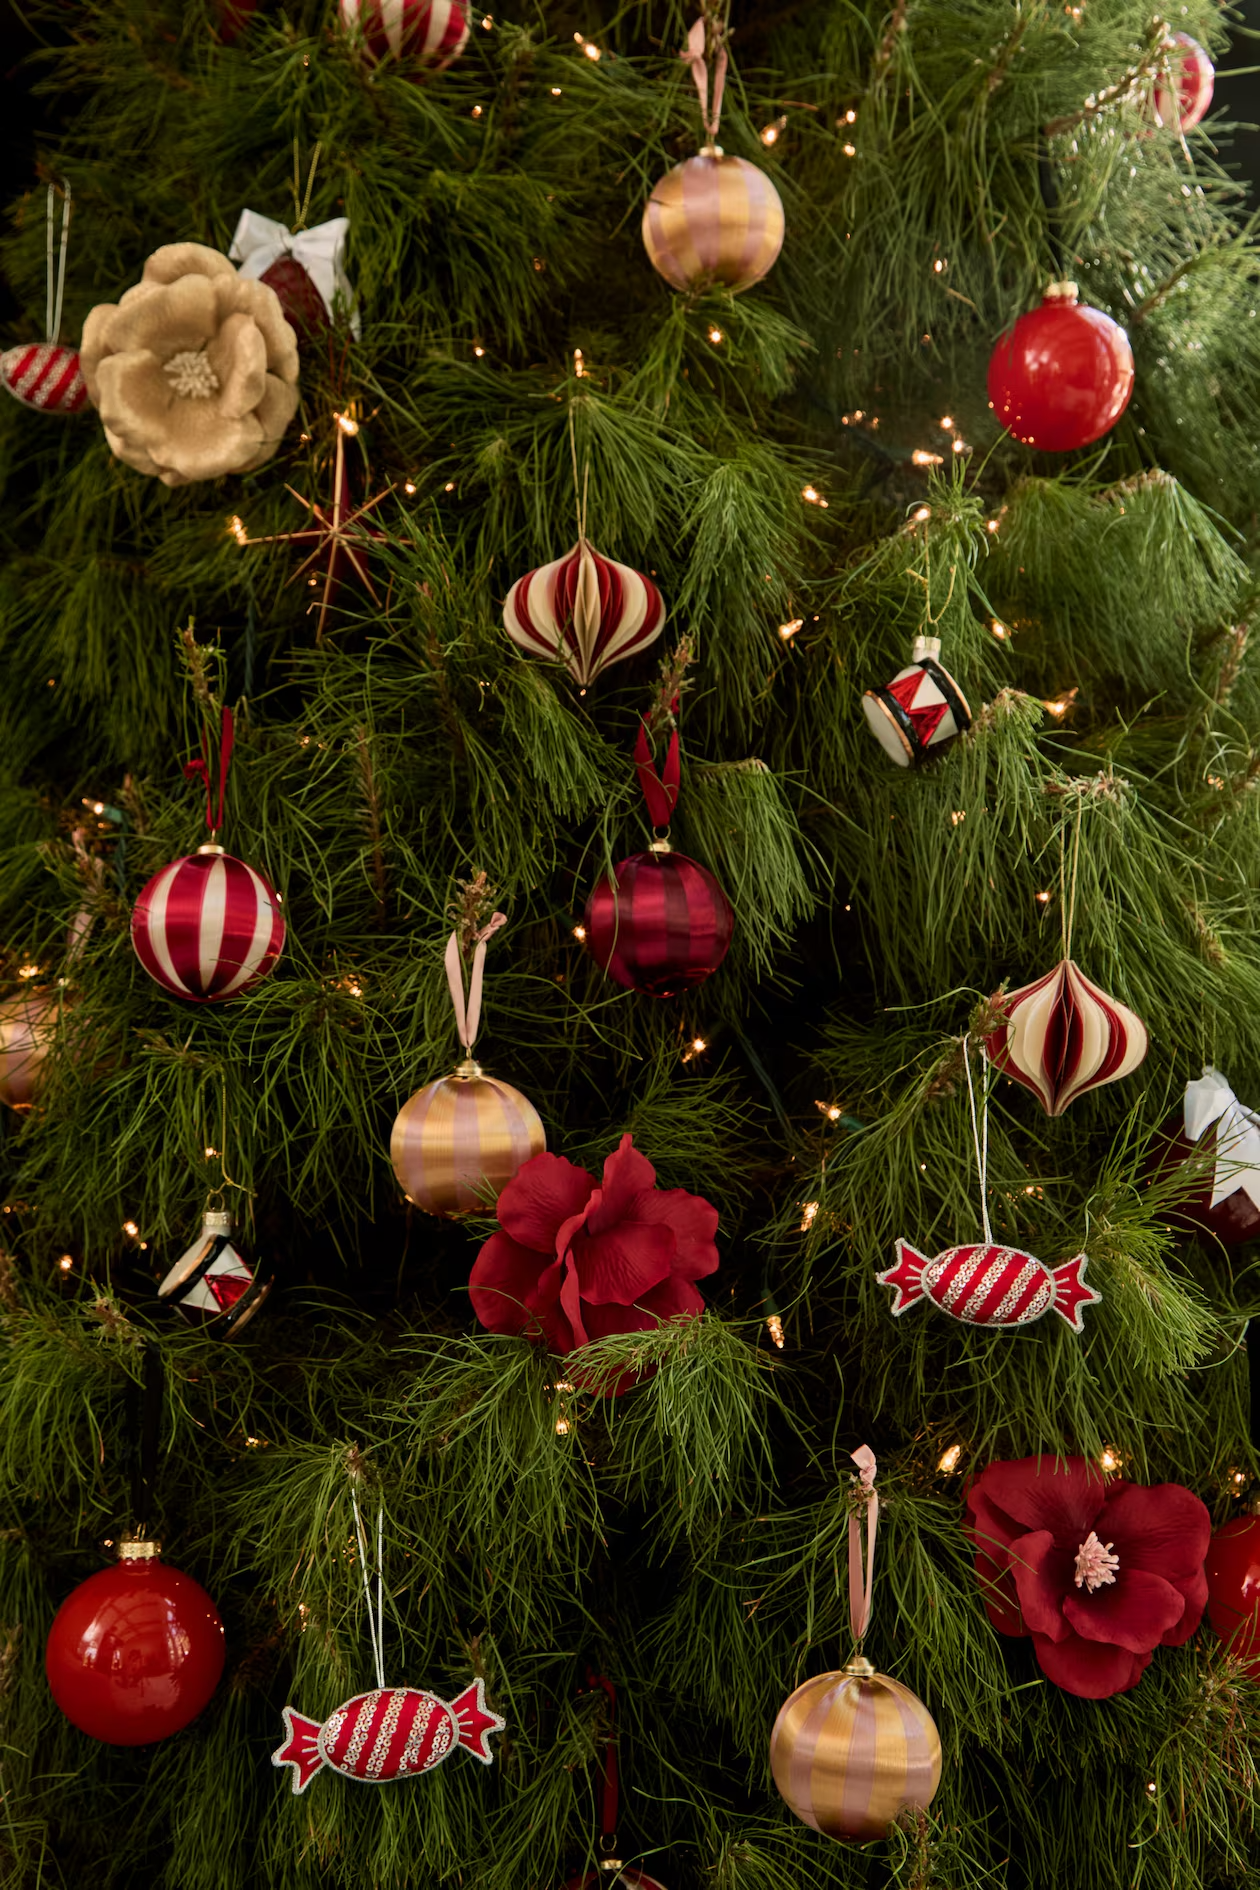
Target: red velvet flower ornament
577 1261
1099 1573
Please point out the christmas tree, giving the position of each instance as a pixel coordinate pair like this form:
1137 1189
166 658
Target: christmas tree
654 499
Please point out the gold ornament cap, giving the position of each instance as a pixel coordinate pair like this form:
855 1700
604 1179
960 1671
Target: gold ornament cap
467 1070
861 1668
138 1549
217 851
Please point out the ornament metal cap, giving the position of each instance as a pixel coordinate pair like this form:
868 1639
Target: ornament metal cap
138 1549
925 646
712 151
210 847
860 1667
467 1070
216 1221
1060 292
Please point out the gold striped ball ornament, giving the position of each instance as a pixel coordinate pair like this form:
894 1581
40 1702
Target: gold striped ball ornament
850 1751
461 1139
715 221
28 1023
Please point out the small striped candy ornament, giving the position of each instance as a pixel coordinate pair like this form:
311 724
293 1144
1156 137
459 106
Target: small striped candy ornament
585 611
851 1751
713 222
461 1137
988 1285
207 927
391 1733
428 33
1062 1035
660 923
45 375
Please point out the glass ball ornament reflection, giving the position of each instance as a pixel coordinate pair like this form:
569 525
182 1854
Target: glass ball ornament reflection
136 1651
1233 1579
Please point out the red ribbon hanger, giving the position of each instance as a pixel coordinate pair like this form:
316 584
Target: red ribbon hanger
660 788
610 1805
199 769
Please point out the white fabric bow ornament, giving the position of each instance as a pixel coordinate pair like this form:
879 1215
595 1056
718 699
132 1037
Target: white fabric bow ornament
259 242
1211 1100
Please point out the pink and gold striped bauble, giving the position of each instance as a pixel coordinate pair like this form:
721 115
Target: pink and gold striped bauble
585 611
44 375
27 1024
462 1138
850 1751
207 927
714 221
429 33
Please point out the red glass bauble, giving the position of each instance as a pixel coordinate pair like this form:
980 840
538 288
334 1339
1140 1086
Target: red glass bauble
659 924
629 1877
1062 376
1232 1221
1181 105
136 1651
1233 1579
300 301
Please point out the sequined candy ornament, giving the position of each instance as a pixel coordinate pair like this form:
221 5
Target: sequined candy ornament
388 1734
47 375
988 1285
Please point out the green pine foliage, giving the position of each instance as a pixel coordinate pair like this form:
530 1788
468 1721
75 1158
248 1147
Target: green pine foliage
783 464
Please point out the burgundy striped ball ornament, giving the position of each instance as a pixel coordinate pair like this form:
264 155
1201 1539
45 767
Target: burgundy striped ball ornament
713 222
583 610
208 927
425 33
1062 1035
45 375
660 923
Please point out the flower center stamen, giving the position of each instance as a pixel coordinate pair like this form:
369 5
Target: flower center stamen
191 375
1095 1564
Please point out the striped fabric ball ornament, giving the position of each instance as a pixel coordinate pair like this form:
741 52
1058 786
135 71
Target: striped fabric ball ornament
850 1751
585 611
460 1137
611 1876
45 375
713 222
207 927
428 33
28 1023
660 923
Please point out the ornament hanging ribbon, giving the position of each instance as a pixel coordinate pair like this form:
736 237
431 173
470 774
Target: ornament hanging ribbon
706 36
258 243
199 769
468 1015
1212 1101
860 1582
660 788
598 1682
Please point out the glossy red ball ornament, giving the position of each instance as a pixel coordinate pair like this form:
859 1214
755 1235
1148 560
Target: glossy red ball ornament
660 923
1182 98
614 1877
136 1651
1062 376
1233 1579
207 927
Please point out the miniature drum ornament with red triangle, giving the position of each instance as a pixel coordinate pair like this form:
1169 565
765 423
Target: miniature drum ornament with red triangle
428 33
920 711
388 1734
988 1285
213 1283
207 927
45 375
583 610
1062 1036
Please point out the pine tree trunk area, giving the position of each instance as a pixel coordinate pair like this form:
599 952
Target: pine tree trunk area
606 1451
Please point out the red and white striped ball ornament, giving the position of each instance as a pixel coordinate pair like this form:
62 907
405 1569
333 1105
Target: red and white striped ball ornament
208 927
1183 91
45 375
1062 1035
427 33
584 610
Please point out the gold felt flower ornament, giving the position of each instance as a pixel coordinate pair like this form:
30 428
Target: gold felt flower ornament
194 370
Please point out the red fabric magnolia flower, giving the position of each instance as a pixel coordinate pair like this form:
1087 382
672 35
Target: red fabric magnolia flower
1098 1573
576 1261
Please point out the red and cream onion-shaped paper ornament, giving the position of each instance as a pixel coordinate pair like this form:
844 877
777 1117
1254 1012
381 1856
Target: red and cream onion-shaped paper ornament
430 34
1062 1036
389 1733
659 923
921 711
852 1750
1227 1205
28 1024
208 927
988 1285
1233 1583
136 1651
1062 376
305 268
1183 90
584 611
47 375
464 1137
213 1283
713 221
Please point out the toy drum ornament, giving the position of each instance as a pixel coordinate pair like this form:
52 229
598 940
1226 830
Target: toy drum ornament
713 222
1183 92
920 711
428 33
207 927
27 1025
852 1750
462 1139
1062 376
660 923
213 1283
